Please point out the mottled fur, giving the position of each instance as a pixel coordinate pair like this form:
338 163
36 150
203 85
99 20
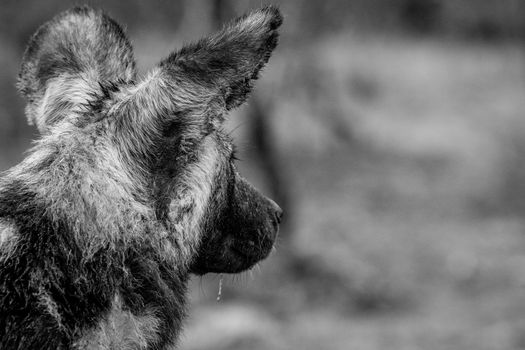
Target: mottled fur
131 187
78 48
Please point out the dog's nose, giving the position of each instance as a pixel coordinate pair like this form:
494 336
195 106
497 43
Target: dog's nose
277 211
278 215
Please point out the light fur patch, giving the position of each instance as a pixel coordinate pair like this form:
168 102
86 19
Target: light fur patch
121 330
156 93
49 305
8 235
193 192
64 97
7 231
96 196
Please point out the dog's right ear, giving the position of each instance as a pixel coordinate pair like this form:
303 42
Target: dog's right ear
228 62
68 61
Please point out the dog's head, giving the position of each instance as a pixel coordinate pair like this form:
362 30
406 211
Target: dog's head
78 72
240 224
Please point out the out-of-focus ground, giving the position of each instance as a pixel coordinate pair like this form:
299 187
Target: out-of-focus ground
404 156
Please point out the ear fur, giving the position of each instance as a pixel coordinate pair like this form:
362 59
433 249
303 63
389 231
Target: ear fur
67 58
230 60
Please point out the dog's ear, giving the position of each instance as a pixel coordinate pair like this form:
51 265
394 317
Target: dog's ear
190 91
67 59
228 61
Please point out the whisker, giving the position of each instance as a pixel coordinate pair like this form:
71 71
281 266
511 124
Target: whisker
219 293
236 128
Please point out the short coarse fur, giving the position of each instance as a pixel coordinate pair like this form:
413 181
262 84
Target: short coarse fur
131 186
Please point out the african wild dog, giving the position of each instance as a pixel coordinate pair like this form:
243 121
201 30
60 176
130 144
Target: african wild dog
131 186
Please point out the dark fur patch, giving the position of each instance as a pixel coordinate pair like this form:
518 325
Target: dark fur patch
240 229
152 283
47 263
48 266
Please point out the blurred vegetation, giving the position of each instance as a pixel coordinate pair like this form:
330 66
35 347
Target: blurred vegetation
397 128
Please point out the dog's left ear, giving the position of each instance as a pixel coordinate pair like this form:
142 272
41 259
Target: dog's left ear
67 60
228 61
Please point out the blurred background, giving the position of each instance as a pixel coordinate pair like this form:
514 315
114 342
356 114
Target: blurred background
393 134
